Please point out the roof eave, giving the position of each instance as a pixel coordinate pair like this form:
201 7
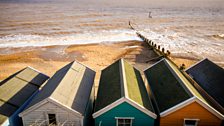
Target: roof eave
153 64
51 100
141 108
210 109
177 107
31 108
122 100
195 64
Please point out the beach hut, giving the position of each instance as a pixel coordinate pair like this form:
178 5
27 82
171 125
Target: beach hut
178 103
66 99
209 79
122 99
16 92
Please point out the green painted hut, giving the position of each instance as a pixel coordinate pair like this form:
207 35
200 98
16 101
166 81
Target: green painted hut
122 99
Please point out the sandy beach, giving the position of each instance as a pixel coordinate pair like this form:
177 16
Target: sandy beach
97 56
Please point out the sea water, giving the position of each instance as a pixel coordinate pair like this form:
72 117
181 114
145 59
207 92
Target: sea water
192 31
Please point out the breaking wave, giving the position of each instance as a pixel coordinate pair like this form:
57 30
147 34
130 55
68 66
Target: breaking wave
21 40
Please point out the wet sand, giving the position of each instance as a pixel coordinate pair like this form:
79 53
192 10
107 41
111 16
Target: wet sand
97 56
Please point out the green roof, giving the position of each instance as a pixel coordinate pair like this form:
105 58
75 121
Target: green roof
121 80
167 87
136 88
17 89
109 88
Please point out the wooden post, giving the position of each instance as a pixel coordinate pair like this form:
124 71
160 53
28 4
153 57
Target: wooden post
182 67
163 50
168 52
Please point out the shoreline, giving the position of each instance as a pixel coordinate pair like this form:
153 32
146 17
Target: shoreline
49 59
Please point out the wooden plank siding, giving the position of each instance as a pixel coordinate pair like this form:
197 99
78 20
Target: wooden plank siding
191 111
39 116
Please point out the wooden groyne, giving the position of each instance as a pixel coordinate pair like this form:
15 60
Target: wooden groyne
158 49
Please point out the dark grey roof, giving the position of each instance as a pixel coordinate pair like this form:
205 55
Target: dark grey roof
168 89
70 86
210 77
112 86
17 89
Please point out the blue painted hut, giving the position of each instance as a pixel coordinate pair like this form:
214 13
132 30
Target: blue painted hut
16 92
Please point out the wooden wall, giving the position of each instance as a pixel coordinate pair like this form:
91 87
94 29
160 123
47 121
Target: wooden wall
39 116
192 111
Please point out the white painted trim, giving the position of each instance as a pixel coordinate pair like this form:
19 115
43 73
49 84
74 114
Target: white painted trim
154 64
192 120
124 117
131 119
141 108
195 64
210 109
207 106
51 100
129 101
65 107
177 107
109 107
189 101
36 70
31 108
124 78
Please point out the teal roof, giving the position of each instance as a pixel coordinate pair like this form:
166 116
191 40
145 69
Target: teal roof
17 89
167 87
118 80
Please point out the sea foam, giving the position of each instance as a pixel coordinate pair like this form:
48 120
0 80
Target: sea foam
21 40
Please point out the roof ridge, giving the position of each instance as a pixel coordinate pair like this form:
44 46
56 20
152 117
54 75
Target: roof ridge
178 78
64 77
75 61
192 90
35 70
123 76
